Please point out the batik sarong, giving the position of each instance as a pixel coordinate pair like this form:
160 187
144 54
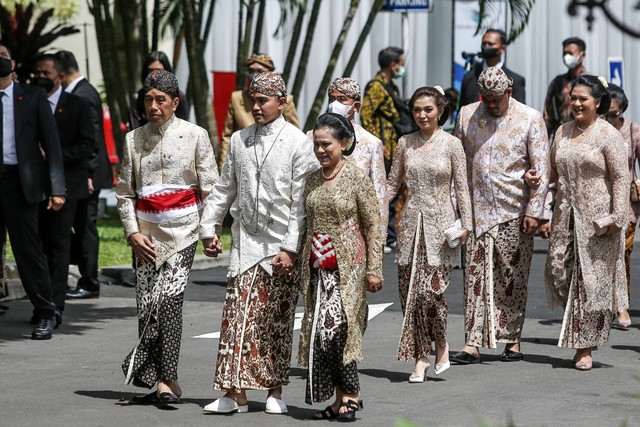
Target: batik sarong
495 291
257 332
328 338
425 310
159 297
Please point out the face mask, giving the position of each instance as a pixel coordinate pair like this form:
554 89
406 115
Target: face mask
338 108
490 52
400 73
44 83
571 61
5 67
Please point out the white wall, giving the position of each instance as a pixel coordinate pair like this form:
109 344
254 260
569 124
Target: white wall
536 54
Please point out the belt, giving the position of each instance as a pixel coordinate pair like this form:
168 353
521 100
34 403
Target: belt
10 168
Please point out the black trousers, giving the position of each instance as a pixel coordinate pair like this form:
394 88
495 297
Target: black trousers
85 242
55 231
21 221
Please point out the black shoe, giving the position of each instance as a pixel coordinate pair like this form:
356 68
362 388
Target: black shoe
81 293
44 329
167 398
350 415
58 317
464 358
148 399
511 356
3 309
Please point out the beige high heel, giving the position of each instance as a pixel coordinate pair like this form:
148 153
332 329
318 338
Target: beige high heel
440 368
420 378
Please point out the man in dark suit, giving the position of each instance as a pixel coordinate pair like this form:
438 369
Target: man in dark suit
73 117
85 242
494 46
27 176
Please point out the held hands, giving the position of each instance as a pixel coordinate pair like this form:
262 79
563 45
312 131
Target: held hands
142 247
374 284
613 229
212 246
545 230
530 225
55 203
531 179
464 236
283 263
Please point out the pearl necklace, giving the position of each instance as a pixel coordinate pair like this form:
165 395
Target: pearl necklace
335 173
585 129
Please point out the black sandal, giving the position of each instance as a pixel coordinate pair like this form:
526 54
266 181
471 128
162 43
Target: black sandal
350 415
326 414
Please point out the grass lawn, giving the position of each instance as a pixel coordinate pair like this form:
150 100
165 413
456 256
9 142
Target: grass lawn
113 247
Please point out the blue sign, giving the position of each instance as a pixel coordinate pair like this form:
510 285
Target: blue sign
402 5
616 71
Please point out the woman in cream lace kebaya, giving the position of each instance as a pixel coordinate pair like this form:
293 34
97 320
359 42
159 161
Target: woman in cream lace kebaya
341 261
630 132
590 182
429 161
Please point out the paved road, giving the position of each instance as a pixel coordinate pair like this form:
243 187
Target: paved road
75 379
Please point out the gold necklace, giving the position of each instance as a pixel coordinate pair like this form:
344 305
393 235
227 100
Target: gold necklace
335 173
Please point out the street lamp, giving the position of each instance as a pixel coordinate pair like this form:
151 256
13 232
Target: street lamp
572 9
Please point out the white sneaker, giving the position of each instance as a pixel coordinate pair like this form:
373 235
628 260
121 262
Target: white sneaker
225 405
387 250
275 406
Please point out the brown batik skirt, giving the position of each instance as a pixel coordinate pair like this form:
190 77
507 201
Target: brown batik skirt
495 292
421 288
257 332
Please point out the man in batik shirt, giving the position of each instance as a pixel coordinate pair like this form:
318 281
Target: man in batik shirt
168 168
344 99
502 138
262 185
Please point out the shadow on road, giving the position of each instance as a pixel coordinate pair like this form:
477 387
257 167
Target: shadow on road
77 319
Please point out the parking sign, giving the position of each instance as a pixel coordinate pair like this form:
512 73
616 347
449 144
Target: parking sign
616 71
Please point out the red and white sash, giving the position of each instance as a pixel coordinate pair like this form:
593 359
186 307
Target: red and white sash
161 203
323 255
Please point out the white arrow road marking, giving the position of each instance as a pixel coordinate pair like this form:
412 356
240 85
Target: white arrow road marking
374 310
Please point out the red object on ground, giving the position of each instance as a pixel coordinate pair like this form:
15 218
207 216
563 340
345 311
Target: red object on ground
114 160
224 83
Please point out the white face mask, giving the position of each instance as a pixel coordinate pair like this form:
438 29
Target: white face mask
339 108
571 61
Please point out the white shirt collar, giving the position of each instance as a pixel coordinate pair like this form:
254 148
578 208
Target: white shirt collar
9 90
73 84
54 98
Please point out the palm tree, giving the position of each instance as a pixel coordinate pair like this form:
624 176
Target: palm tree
326 79
519 12
22 30
355 54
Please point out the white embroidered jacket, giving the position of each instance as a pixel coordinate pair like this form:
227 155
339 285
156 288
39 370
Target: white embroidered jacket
160 162
261 185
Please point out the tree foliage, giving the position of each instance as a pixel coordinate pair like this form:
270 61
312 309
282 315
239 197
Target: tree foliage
28 28
519 12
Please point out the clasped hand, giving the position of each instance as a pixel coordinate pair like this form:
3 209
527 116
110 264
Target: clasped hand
212 246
